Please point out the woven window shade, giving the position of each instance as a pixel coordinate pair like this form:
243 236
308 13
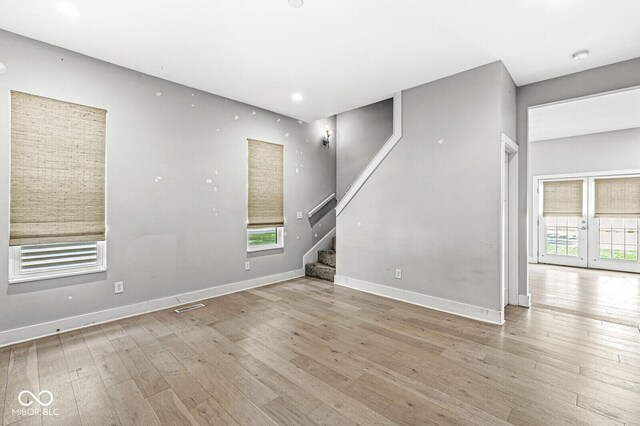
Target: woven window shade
266 199
562 198
617 197
57 171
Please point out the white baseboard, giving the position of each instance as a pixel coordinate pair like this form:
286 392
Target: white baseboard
524 300
312 255
23 334
532 259
443 305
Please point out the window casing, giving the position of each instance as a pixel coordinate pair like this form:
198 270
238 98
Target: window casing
270 238
45 261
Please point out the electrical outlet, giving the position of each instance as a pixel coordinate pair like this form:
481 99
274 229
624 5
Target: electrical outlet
247 266
119 287
299 215
399 274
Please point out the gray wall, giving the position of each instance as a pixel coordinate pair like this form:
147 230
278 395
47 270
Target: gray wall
165 237
597 80
360 134
608 151
430 209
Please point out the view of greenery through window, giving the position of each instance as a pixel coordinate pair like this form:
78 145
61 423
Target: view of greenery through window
262 237
619 238
562 235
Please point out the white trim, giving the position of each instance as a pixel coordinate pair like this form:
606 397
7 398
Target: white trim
17 276
379 157
22 334
524 300
509 145
510 152
321 205
532 259
312 255
444 305
587 174
279 240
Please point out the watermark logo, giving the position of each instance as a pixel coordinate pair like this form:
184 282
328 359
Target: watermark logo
26 398
27 402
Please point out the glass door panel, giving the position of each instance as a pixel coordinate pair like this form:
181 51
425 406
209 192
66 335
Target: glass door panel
562 239
614 244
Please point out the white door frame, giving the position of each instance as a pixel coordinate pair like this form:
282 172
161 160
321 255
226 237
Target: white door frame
533 256
509 222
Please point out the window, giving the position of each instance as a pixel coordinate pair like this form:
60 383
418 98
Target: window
617 208
618 238
57 222
264 238
562 235
265 205
43 261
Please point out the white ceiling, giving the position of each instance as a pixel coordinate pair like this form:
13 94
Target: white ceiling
339 54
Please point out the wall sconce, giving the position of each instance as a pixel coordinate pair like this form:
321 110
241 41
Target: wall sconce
325 140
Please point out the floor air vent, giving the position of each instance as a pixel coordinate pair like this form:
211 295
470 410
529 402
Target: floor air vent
189 308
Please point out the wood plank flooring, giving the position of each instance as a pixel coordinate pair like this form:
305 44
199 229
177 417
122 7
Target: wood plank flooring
305 352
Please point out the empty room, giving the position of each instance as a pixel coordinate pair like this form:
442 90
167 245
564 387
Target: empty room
319 212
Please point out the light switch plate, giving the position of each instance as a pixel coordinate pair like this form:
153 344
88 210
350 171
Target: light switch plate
399 274
247 266
118 287
299 215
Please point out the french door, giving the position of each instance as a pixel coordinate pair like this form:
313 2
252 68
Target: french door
586 232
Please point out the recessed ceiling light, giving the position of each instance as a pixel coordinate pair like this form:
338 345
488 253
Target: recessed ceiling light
296 3
580 54
68 9
297 97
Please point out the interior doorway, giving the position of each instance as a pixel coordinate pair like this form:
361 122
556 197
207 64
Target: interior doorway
509 223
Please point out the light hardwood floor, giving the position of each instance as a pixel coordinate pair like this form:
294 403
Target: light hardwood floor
307 352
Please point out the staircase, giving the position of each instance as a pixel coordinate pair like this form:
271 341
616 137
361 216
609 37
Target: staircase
325 267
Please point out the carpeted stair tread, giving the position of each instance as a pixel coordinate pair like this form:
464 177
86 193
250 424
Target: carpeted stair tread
327 257
320 270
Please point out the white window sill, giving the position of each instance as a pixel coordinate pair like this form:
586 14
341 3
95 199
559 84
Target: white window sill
265 248
57 274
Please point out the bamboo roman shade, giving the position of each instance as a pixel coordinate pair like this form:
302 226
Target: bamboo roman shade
562 198
57 171
617 197
266 199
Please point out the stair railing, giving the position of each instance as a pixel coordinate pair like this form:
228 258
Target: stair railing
378 158
323 203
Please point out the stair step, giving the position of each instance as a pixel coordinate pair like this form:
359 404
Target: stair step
327 257
319 270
